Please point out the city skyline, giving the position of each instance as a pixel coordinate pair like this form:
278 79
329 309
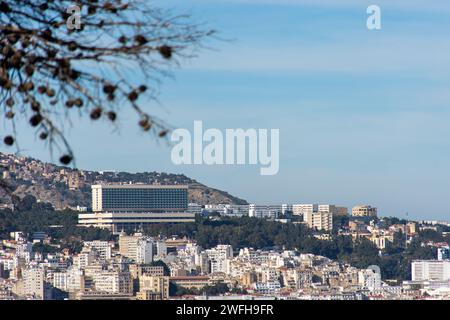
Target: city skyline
365 124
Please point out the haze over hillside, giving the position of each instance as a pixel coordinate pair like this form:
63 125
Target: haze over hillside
67 187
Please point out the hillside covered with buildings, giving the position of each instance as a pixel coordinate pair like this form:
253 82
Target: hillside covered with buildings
68 187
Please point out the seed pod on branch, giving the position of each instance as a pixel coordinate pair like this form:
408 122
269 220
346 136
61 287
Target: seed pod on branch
107 63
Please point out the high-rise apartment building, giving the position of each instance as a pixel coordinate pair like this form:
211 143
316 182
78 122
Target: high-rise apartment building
33 282
320 220
219 258
136 247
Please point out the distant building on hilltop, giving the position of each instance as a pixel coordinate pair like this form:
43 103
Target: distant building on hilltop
364 211
139 197
129 207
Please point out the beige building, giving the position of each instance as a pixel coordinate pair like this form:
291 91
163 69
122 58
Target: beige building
189 282
148 295
33 283
158 285
136 247
113 282
411 228
364 211
335 210
381 241
138 270
319 220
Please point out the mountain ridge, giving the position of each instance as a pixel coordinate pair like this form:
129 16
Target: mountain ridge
66 187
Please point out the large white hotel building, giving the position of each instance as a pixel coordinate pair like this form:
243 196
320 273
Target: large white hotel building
130 206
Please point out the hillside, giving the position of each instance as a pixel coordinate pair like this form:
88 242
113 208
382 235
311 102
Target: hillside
67 187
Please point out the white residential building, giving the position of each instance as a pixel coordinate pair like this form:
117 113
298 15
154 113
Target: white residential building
301 209
264 211
24 250
103 248
319 220
33 282
220 257
86 257
195 208
285 208
430 270
369 279
136 247
70 281
113 282
144 251
322 221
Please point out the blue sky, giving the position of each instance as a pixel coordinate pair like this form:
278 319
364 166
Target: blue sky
363 115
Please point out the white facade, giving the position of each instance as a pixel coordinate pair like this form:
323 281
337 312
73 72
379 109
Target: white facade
286 208
144 251
113 282
161 248
103 248
84 258
430 270
331 208
116 221
319 220
264 211
136 247
228 209
33 281
220 257
302 208
322 221
24 250
195 208
369 279
69 281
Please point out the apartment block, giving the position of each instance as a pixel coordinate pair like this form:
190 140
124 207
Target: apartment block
364 211
430 270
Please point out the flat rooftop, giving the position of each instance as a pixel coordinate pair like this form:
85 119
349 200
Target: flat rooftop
140 186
